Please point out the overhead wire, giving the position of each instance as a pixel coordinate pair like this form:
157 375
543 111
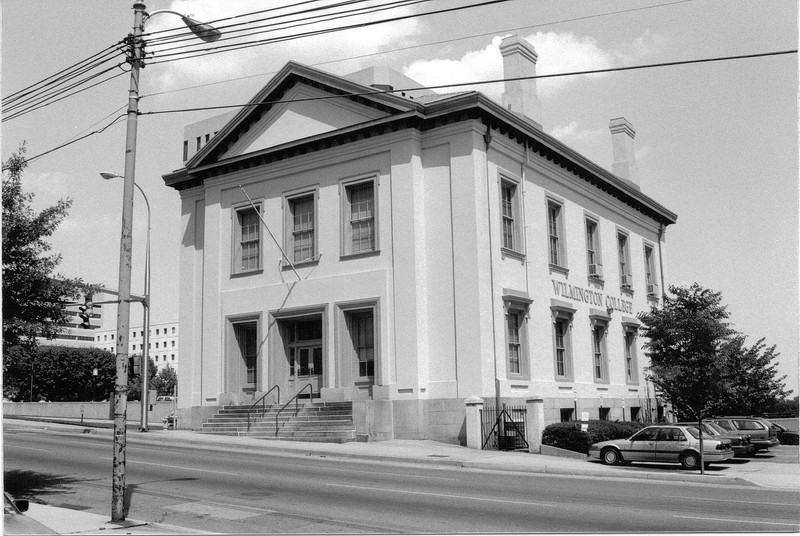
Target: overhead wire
115 121
284 25
61 95
480 82
237 46
434 43
8 99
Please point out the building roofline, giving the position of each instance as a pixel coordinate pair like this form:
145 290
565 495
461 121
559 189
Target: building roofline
403 113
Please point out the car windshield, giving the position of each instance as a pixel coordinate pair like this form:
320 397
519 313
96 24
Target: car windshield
715 428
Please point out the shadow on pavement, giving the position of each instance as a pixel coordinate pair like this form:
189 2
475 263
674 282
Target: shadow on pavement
130 490
30 484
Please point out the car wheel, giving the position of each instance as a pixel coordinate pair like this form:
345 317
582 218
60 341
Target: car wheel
690 460
610 456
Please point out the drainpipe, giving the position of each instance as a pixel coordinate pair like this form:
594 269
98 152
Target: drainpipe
487 138
661 262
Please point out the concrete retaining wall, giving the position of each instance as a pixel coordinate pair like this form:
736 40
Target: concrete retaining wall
90 410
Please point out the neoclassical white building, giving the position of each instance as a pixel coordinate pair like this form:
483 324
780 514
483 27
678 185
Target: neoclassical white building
407 250
163 341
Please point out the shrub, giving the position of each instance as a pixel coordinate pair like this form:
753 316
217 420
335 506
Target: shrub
569 436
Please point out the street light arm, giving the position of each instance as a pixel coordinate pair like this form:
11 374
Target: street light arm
204 31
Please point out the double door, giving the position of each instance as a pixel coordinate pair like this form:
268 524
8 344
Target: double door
305 366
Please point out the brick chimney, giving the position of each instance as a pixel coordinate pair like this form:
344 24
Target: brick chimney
622 135
520 96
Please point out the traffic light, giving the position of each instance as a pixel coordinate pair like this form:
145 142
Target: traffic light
85 313
134 365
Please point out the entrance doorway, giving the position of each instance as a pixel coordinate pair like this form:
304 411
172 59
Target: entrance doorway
304 337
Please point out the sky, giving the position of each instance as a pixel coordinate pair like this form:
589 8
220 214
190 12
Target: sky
716 143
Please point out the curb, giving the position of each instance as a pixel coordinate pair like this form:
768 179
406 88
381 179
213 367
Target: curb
273 447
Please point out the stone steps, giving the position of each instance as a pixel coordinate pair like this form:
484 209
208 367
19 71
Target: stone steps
330 422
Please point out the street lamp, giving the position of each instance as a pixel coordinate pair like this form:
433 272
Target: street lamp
146 306
135 53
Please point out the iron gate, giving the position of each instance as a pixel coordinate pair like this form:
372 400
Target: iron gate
504 428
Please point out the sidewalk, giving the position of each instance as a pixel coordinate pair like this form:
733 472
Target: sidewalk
752 472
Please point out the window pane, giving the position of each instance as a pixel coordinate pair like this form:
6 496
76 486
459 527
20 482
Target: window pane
362 217
249 242
553 214
303 228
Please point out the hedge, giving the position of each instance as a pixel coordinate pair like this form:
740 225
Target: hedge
569 436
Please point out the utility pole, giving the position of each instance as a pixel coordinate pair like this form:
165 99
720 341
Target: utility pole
125 256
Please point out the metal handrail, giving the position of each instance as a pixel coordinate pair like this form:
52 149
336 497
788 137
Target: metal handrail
263 404
296 409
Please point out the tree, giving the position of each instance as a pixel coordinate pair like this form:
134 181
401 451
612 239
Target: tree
751 376
33 297
135 382
685 338
166 382
57 373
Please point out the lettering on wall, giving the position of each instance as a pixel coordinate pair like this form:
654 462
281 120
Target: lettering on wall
592 297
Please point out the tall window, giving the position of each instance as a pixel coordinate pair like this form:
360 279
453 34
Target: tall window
555 229
593 250
626 279
247 256
301 236
631 375
509 208
246 334
562 348
514 347
362 333
359 226
650 272
599 352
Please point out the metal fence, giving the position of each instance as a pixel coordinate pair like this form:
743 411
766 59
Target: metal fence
504 428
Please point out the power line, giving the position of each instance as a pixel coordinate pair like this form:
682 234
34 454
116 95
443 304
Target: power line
434 43
483 82
282 26
238 46
61 96
116 120
59 75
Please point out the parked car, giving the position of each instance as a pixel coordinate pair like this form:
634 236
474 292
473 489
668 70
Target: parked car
165 399
16 522
675 443
786 436
740 443
763 434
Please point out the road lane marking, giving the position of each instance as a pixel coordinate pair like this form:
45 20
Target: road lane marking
177 467
728 500
439 495
738 520
26 448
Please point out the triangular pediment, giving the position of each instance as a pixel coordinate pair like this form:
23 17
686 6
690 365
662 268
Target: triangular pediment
298 103
303 111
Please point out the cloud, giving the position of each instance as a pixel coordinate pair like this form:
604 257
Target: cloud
270 57
558 53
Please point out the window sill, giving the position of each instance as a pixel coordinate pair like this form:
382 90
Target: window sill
597 280
626 290
505 252
360 254
246 273
308 262
559 269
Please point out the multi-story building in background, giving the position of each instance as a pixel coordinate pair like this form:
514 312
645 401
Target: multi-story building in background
163 343
407 250
73 333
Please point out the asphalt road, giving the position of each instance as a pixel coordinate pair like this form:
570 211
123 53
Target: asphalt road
245 492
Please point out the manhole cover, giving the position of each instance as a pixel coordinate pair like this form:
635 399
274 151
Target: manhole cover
256 494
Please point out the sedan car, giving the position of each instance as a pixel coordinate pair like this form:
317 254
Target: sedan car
740 442
673 443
